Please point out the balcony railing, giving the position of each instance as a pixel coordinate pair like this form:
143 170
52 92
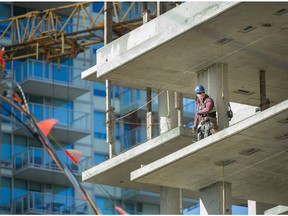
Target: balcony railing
47 203
67 118
38 157
135 137
50 72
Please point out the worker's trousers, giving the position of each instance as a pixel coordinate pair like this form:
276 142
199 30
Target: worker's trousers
207 127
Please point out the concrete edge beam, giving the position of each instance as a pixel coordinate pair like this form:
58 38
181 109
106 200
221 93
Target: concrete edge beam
135 152
157 32
136 175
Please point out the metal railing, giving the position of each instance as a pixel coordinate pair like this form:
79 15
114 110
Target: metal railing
68 119
50 72
38 157
47 203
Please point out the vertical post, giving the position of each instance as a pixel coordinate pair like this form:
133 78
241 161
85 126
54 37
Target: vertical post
109 120
179 107
108 23
161 8
149 116
146 13
264 102
167 112
109 109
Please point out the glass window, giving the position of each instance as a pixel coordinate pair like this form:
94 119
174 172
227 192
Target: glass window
35 99
19 10
99 89
117 128
37 70
6 147
99 158
5 111
116 91
34 142
34 186
20 143
60 75
65 191
20 188
97 6
126 96
100 125
141 95
105 205
38 111
5 12
63 104
129 207
5 188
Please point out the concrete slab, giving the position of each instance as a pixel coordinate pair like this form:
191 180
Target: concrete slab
256 147
248 36
116 171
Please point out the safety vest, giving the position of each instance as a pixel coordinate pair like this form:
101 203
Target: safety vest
201 106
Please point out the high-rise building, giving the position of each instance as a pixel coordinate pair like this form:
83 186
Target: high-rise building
31 182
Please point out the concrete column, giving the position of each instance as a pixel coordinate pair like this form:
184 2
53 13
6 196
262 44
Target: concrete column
108 23
110 138
179 107
264 101
149 115
215 81
251 207
170 201
167 111
216 199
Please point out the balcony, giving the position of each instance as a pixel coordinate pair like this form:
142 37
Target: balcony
47 203
35 163
71 125
51 80
153 198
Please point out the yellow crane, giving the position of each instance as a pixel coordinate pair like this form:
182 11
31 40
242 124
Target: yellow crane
51 34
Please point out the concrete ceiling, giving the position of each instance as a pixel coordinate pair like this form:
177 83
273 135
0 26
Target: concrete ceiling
177 59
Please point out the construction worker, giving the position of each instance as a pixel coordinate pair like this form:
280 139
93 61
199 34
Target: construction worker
205 120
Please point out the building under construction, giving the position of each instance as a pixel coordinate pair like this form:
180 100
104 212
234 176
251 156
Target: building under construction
238 51
47 46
